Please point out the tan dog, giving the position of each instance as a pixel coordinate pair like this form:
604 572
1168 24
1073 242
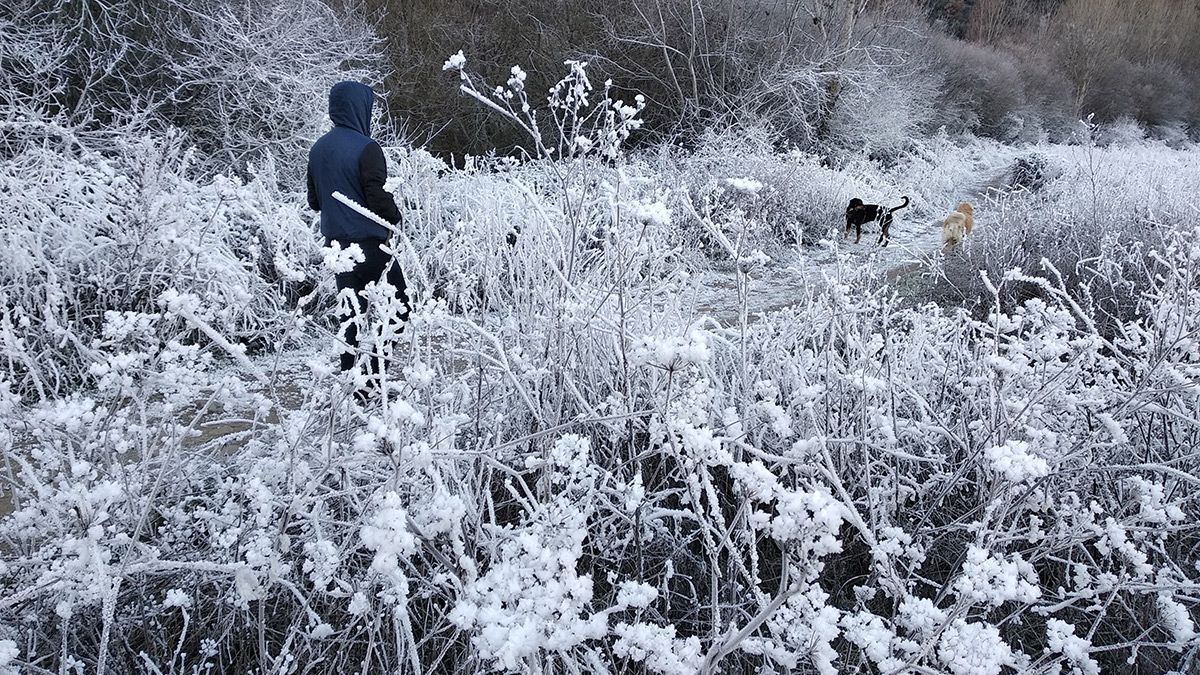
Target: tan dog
957 225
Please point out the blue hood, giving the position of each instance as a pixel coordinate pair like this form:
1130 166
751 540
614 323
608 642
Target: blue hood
350 106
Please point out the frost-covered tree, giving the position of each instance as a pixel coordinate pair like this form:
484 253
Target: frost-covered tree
247 81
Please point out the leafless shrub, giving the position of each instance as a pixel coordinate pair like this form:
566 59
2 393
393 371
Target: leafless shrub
1086 220
983 91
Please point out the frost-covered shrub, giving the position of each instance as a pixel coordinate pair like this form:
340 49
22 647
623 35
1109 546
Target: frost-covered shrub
1029 172
1173 135
882 114
1049 114
1160 94
546 550
834 482
247 83
1014 93
1095 221
92 234
1123 131
1023 473
983 91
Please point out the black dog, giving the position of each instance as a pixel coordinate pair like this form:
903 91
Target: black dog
859 214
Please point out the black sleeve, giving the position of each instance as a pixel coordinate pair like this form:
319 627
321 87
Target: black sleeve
372 170
314 201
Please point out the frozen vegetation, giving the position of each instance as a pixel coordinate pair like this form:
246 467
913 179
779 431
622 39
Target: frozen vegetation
679 426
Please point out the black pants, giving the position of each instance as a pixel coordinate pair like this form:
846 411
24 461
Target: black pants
370 269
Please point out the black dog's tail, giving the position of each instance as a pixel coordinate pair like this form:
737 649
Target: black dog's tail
904 205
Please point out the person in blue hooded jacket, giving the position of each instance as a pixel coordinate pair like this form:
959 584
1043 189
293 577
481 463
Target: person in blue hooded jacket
347 160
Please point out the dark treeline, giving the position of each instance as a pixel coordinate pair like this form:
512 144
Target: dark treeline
849 74
246 81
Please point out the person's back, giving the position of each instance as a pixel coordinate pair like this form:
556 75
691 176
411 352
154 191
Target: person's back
346 160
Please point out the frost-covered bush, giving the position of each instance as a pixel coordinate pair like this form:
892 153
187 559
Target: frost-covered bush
1173 135
1013 93
89 234
880 113
847 485
247 82
1096 220
1029 172
983 91
1123 131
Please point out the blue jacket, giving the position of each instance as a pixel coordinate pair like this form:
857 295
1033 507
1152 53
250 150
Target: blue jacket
346 160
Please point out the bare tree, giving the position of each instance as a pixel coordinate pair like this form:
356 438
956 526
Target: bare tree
993 20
